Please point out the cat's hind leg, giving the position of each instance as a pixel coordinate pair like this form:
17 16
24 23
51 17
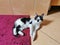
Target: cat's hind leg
15 32
21 33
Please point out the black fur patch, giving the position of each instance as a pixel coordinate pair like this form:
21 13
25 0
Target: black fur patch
18 26
17 29
41 18
24 20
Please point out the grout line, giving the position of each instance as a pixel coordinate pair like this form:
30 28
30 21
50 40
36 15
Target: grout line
50 37
10 2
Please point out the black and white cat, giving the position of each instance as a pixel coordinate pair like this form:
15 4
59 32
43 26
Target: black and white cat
23 23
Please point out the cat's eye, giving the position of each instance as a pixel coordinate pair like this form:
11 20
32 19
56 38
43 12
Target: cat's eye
31 22
37 20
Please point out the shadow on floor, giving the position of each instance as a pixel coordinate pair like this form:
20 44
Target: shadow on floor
54 9
44 23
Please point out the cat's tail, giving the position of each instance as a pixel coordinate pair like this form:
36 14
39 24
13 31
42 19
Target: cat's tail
14 32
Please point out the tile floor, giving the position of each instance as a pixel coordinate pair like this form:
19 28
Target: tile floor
49 34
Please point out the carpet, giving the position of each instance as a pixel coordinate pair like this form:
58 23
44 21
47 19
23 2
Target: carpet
6 35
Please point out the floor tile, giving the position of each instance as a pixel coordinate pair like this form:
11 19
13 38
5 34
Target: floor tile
50 30
43 39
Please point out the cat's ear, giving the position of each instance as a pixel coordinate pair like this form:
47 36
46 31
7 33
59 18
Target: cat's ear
41 17
35 15
42 14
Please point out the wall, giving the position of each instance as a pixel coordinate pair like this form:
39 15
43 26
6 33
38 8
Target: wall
24 6
30 6
55 2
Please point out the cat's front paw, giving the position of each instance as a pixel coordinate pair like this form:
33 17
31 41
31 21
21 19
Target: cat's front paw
32 38
33 35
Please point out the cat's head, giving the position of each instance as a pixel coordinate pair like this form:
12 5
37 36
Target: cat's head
39 18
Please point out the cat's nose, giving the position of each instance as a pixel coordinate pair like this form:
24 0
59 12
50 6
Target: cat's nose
37 20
